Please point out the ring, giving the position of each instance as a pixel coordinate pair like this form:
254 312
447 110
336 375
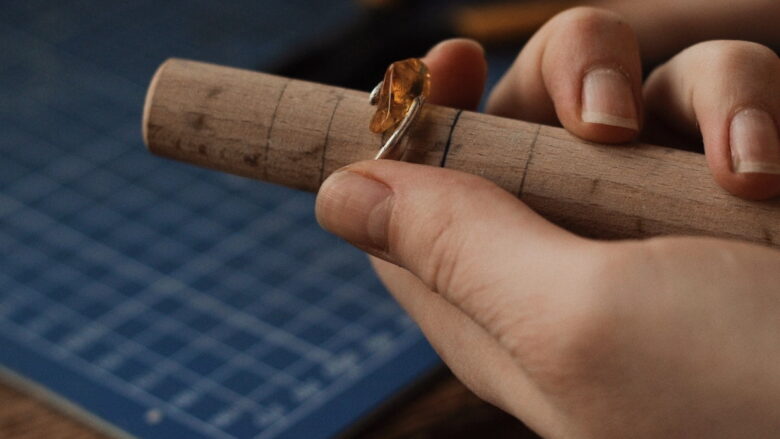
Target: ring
399 98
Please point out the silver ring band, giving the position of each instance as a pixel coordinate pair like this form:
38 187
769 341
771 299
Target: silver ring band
389 150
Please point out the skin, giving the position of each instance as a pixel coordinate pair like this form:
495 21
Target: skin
666 337
664 27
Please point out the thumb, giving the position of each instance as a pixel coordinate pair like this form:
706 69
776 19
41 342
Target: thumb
464 237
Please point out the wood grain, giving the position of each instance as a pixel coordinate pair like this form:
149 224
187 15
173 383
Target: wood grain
443 410
296 133
24 417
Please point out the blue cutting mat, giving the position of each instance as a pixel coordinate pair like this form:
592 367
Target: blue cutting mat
165 300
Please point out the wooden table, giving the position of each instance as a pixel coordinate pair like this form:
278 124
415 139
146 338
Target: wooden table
444 409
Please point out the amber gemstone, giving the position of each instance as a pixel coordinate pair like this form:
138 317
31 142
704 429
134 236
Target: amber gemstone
404 81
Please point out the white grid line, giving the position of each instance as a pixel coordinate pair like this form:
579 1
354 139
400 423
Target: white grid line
108 378
317 312
106 253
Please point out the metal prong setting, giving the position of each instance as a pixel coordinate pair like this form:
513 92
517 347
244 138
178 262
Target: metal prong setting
374 96
388 150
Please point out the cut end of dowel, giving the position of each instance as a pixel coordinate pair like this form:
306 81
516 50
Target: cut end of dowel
149 98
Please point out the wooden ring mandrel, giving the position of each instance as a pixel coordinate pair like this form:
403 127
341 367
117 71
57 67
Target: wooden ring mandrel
296 133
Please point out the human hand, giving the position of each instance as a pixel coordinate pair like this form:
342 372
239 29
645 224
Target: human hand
664 27
666 337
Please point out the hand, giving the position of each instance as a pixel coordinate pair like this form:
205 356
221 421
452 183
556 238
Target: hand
666 337
664 27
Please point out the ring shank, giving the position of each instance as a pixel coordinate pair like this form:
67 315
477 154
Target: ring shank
389 150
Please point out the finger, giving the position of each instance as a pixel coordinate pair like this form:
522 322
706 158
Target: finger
730 91
458 73
471 353
582 69
465 238
664 27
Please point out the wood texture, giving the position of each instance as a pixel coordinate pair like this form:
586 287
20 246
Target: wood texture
24 417
444 410
296 133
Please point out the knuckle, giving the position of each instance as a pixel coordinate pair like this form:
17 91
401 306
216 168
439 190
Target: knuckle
733 56
586 20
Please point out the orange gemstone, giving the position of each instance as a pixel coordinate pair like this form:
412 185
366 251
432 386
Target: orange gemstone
404 81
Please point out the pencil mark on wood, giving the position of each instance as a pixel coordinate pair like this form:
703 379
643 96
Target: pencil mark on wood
251 159
213 92
197 121
152 129
271 128
594 186
528 161
769 237
449 139
339 98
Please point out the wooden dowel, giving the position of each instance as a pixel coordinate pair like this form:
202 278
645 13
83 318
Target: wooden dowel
296 133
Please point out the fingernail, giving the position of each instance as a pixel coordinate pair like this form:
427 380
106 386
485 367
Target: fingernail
755 145
607 99
355 208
